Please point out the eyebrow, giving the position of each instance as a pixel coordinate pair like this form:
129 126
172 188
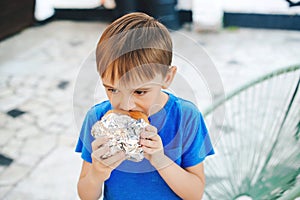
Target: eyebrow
144 88
134 89
105 85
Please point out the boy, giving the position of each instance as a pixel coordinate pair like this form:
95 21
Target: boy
134 57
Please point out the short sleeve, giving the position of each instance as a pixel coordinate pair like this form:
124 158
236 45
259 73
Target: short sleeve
85 138
197 145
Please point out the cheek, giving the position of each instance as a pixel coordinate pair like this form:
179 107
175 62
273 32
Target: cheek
145 108
113 100
147 103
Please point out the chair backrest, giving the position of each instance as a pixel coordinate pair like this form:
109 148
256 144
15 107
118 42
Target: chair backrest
257 146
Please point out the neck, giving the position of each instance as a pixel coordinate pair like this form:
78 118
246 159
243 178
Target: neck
156 108
164 98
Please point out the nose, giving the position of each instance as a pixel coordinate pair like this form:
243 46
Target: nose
127 103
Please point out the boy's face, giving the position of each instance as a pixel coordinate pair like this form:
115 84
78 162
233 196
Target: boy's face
144 96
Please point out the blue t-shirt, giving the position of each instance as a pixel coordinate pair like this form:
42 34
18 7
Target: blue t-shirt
185 139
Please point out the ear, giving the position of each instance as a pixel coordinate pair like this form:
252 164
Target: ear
169 77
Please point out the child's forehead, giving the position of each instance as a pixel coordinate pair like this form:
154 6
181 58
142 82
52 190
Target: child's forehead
133 84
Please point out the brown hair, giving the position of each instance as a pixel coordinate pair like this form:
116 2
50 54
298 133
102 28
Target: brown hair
134 43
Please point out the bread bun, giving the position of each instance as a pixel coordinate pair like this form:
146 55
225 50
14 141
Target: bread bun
133 114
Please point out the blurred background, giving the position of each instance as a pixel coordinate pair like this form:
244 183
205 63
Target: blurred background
45 45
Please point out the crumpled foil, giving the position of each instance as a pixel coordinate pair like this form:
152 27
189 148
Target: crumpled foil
123 133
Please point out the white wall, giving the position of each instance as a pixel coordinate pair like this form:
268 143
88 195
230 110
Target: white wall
248 6
208 14
260 6
45 8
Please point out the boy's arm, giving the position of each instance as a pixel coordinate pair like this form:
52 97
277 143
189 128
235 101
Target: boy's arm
89 184
94 174
186 183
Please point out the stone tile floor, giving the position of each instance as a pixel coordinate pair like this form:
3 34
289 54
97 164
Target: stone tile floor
40 119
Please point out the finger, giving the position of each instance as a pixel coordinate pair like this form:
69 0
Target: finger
151 128
148 135
117 163
148 150
98 142
112 160
150 143
98 153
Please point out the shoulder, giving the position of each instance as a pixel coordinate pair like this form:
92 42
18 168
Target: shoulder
190 115
187 108
98 110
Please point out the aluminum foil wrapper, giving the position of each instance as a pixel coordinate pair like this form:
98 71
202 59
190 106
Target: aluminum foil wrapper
124 133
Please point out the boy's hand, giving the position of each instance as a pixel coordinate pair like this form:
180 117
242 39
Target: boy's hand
153 147
102 168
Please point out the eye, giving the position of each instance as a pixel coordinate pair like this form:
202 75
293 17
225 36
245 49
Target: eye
112 90
140 92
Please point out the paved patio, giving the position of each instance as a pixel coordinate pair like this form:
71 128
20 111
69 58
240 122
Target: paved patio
40 115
